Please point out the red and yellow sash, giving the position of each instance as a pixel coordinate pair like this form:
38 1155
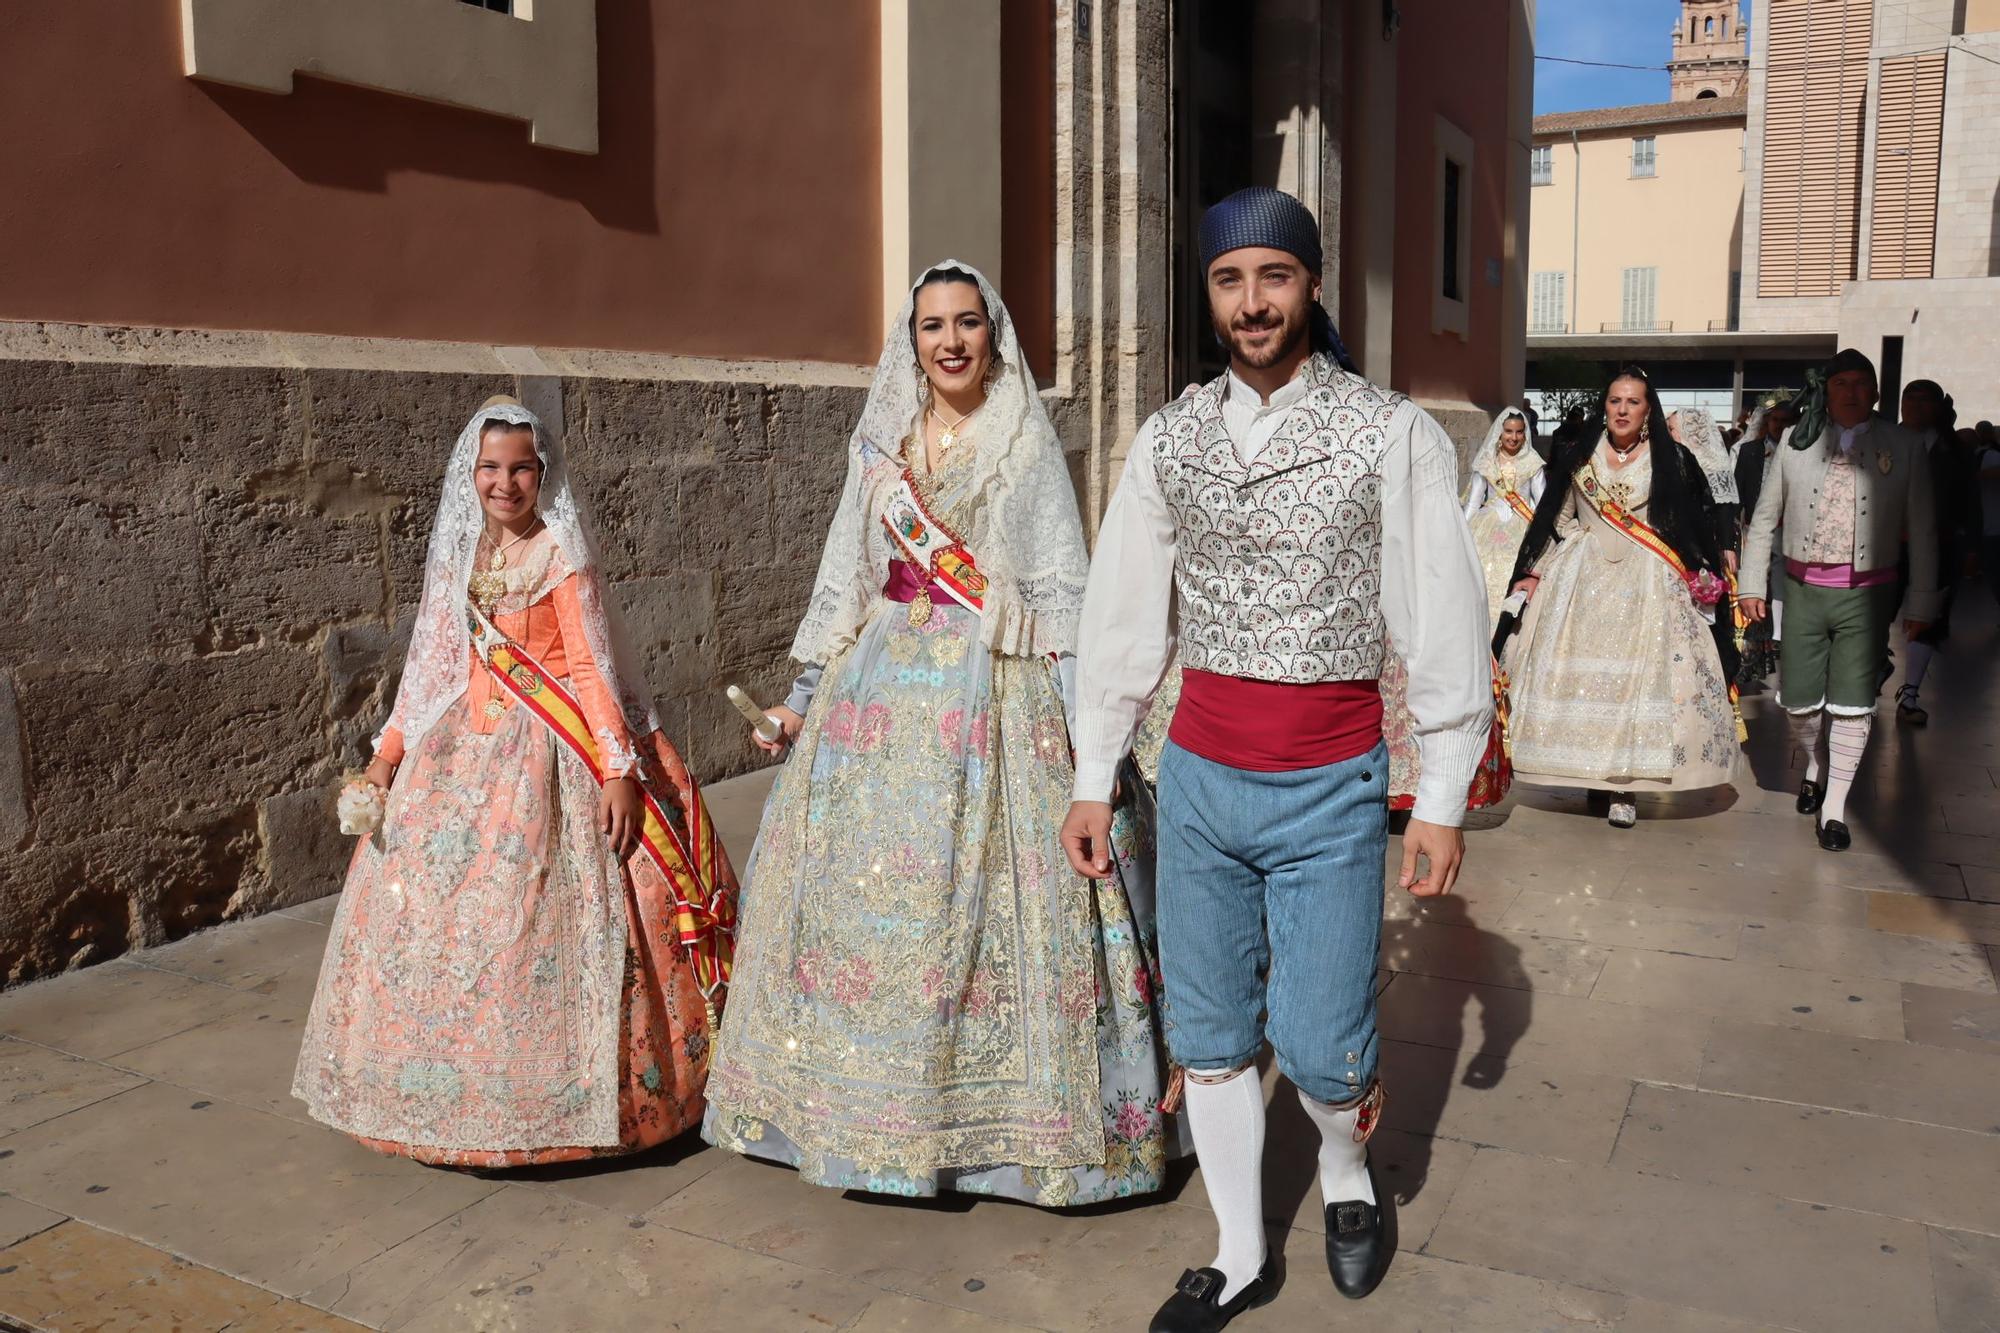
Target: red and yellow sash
1519 504
1646 538
684 849
932 546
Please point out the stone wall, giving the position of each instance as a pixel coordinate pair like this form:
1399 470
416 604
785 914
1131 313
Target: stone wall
214 568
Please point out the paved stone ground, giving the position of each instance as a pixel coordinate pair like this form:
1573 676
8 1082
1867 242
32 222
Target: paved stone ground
1698 1076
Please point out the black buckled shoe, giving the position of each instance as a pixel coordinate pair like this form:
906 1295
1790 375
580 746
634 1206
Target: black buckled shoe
1197 1305
1360 1242
1810 795
1833 836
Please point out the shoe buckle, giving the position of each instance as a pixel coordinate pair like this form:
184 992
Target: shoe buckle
1351 1217
1200 1285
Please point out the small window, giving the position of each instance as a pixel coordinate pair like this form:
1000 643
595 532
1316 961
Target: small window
1542 162
1452 284
1708 28
1644 155
1641 289
1735 299
1705 94
497 6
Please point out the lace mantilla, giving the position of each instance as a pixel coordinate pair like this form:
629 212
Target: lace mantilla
437 666
1020 521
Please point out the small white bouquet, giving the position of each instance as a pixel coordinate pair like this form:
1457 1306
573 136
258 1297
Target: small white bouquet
360 807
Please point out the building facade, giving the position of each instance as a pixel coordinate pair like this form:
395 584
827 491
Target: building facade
260 260
1874 212
1637 237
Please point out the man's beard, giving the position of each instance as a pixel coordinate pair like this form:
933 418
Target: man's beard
1274 351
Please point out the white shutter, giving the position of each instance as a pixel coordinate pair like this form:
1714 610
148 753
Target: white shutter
1550 303
1641 290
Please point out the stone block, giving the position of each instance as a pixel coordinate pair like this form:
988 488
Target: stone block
304 853
671 618
14 821
169 737
396 427
809 426
363 665
121 429
128 577
758 613
284 568
721 517
629 421
73 903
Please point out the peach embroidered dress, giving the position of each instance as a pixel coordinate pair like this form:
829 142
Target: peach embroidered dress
498 989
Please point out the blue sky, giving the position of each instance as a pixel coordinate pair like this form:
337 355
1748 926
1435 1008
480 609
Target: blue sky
1631 32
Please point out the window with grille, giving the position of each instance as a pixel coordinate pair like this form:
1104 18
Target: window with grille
1549 303
1451 284
1542 163
1644 154
1641 287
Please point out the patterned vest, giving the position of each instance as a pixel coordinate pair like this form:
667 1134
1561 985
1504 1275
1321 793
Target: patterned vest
1280 565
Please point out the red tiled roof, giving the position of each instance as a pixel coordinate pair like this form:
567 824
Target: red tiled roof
1654 113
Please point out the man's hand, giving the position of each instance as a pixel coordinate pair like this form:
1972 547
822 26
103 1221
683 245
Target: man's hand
1755 609
1086 836
1443 847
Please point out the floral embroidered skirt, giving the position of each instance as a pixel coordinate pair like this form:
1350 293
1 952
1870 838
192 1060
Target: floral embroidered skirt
1490 781
1616 682
498 990
1496 535
925 997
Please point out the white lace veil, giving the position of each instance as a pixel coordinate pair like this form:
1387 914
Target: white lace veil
1701 437
1486 462
440 656
1025 532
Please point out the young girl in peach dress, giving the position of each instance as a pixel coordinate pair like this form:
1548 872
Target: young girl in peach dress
528 957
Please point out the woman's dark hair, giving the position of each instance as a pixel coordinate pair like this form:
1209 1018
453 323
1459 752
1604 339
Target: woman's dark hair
938 277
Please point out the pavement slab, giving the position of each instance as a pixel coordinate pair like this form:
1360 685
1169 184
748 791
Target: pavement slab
101 1011
1720 988
38 1084
1966 1268
1901 1080
1954 1018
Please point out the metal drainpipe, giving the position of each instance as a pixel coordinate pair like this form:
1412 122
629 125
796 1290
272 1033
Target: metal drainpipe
1576 235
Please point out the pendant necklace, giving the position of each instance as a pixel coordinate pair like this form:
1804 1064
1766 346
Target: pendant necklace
487 586
949 435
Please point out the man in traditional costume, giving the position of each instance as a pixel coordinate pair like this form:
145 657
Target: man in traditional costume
1304 515
1848 486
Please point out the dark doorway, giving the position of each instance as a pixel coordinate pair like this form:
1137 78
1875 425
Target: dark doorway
1212 158
1892 375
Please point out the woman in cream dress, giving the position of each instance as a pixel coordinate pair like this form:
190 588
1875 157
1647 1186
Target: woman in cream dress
1507 483
1618 686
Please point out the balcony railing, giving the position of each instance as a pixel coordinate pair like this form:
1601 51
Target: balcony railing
1667 327
1548 328
1722 326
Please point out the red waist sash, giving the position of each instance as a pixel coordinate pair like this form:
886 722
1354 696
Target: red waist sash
905 583
1274 727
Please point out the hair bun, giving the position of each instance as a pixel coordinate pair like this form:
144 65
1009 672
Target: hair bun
500 400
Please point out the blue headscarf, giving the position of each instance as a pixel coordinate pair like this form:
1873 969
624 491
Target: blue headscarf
1272 219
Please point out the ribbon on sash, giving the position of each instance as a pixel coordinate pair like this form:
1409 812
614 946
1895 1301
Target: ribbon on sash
932 547
1647 538
687 856
1519 505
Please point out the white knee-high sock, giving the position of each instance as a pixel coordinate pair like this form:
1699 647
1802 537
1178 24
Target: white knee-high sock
1228 1123
1777 622
1809 734
1919 656
1847 738
1343 1163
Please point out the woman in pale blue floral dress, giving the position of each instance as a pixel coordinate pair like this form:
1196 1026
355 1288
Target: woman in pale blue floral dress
926 998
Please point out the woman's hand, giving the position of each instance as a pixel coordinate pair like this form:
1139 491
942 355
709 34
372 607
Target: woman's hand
1526 587
380 772
621 813
1729 562
789 723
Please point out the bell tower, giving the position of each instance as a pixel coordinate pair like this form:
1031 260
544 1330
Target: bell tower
1711 58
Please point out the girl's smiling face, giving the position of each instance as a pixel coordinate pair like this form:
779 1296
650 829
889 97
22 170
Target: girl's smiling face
508 475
